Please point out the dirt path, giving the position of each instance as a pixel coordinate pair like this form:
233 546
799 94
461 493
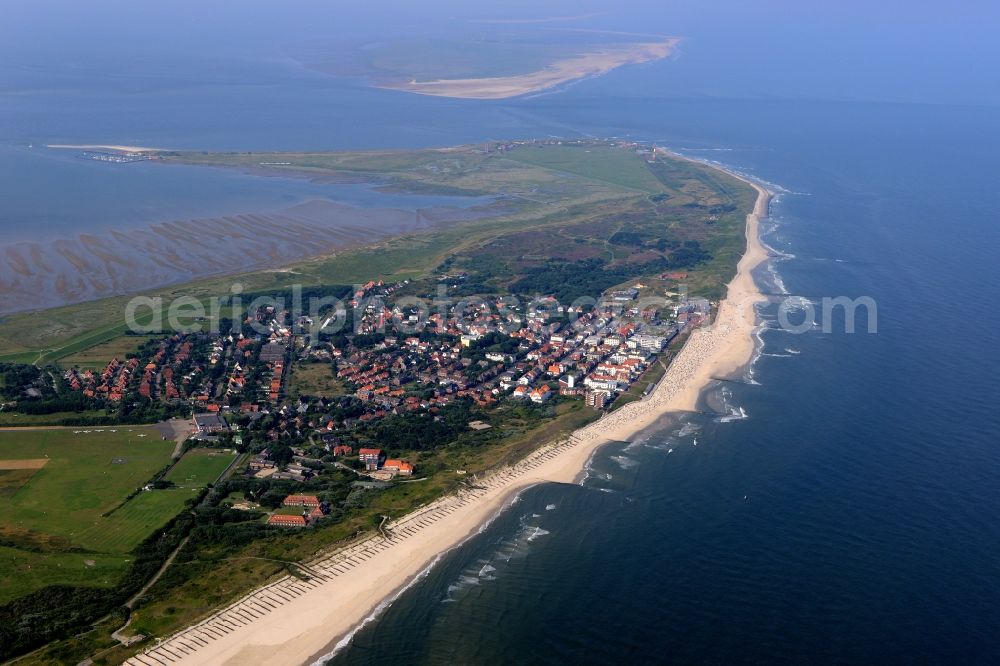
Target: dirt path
128 640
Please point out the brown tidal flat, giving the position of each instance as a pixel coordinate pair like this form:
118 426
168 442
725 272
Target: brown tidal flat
41 274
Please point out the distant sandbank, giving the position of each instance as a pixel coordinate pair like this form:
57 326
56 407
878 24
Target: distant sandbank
293 621
559 72
97 146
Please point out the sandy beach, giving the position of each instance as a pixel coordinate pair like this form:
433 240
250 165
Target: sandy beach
559 72
292 622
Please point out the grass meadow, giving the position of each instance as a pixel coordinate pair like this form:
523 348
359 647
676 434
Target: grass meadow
65 522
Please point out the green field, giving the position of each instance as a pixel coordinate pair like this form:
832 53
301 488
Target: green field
89 472
12 480
199 467
52 520
25 571
13 419
607 165
98 356
149 510
57 509
315 379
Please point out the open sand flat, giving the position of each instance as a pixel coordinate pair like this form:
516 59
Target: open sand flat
562 71
291 621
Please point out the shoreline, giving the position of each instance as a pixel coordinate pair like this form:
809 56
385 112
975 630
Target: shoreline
291 621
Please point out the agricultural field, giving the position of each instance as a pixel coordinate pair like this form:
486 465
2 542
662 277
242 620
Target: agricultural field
64 515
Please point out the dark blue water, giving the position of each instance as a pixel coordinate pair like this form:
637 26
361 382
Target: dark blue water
852 515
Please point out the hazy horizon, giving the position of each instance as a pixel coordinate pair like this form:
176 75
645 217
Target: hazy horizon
893 52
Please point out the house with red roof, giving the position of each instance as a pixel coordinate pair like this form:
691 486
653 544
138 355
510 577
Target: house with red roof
279 520
400 467
541 394
370 457
301 500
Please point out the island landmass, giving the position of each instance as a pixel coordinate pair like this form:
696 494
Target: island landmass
353 584
283 459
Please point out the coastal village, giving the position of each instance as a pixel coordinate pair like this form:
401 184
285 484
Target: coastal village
240 385
597 357
391 385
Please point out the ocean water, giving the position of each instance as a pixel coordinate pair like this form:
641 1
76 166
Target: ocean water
839 502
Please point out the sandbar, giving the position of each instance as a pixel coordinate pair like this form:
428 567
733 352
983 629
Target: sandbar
562 71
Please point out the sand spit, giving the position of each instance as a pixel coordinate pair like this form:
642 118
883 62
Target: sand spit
293 621
562 71
114 148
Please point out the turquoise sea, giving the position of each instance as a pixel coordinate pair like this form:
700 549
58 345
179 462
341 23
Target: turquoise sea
838 502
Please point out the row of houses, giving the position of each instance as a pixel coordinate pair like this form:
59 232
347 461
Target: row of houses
111 384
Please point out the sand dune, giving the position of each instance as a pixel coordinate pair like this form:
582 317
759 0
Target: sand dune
292 621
